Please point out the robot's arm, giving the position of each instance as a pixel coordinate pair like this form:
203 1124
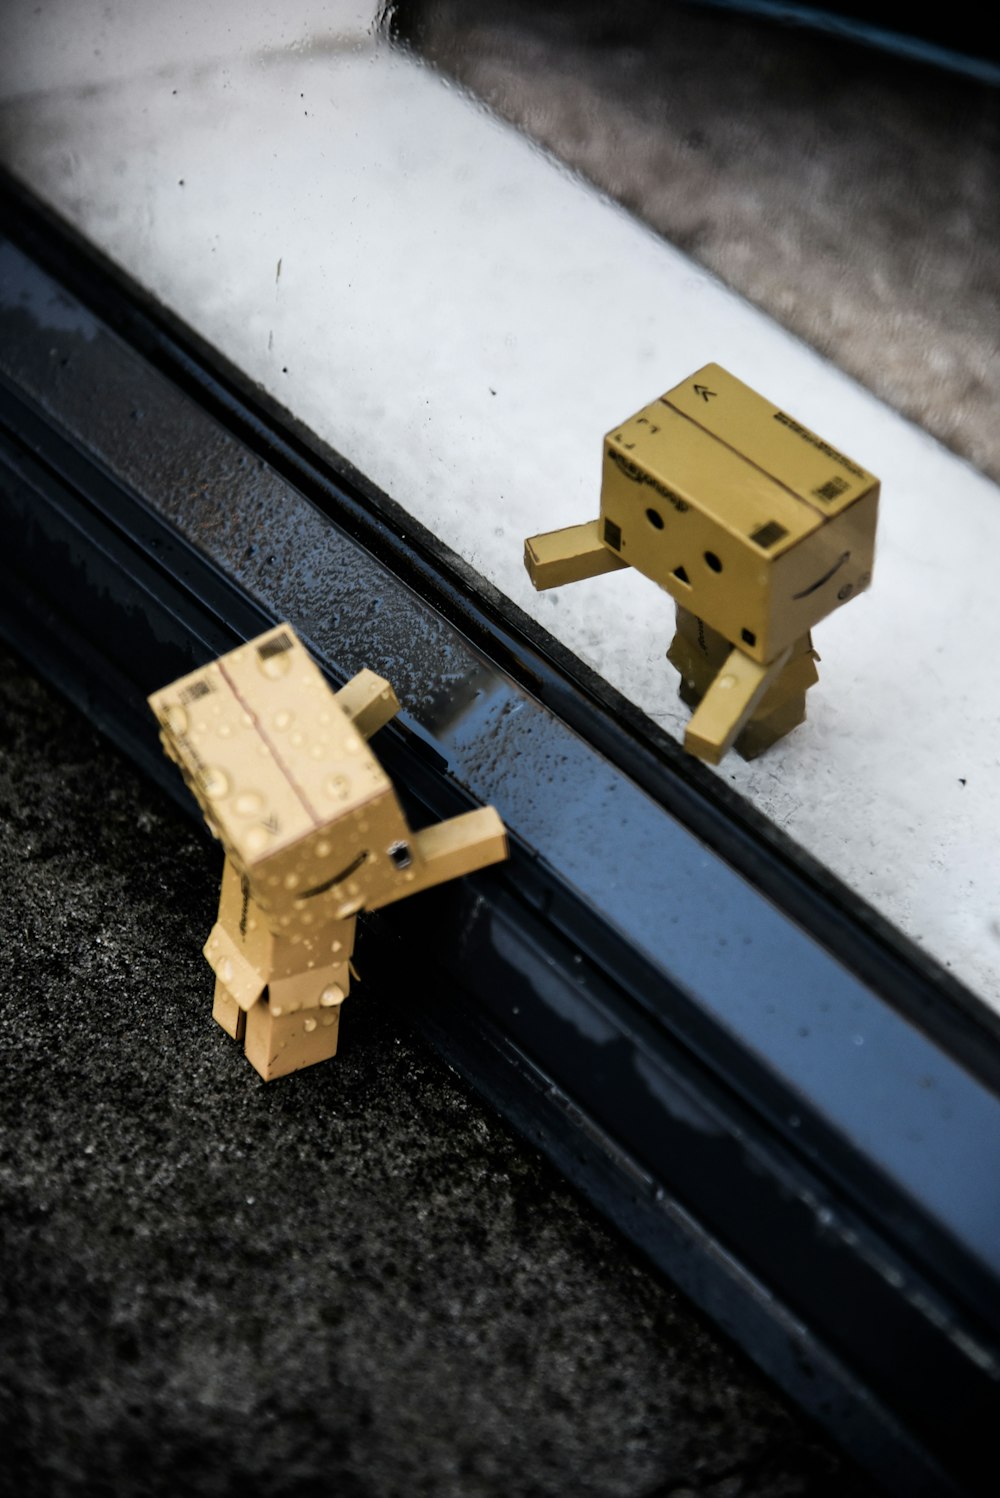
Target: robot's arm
569 556
729 703
369 702
450 849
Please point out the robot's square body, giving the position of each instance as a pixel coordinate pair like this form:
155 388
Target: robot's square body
757 527
313 833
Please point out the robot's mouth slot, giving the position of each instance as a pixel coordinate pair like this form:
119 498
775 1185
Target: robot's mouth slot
824 579
321 889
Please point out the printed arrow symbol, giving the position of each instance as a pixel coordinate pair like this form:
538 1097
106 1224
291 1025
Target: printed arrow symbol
704 392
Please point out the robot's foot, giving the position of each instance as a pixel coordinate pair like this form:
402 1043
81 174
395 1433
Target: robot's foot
761 733
277 1044
227 1013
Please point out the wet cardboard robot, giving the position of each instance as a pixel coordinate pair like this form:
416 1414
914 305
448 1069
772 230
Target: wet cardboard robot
313 835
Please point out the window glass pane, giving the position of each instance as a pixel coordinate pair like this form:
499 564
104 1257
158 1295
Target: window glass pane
463 319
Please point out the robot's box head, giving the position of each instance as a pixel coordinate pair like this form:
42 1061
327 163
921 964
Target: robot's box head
287 783
747 518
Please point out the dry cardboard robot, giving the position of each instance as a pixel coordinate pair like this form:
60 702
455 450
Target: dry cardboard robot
755 526
313 834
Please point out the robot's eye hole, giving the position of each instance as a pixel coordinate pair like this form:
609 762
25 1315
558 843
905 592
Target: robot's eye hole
655 519
711 560
400 855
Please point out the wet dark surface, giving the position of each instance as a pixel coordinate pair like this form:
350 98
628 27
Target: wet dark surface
353 1281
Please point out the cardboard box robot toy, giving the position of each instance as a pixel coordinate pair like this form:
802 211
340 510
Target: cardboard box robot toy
755 526
313 834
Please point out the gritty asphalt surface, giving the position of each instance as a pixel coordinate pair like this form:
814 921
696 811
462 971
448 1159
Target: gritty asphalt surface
354 1281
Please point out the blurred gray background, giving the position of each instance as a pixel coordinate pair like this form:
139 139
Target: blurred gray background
851 193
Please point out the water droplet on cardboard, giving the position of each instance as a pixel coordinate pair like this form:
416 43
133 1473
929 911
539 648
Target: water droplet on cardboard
248 804
214 782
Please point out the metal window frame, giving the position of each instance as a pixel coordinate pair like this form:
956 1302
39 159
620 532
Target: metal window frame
631 990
